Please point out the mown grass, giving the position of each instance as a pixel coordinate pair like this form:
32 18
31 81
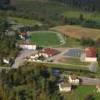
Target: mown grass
45 38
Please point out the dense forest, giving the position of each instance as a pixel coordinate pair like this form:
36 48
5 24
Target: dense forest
88 5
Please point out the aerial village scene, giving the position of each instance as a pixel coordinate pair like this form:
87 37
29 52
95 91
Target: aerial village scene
50 53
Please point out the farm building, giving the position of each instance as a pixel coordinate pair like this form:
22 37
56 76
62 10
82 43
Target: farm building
89 55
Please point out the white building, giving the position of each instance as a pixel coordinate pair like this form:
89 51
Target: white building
73 80
64 87
28 46
89 55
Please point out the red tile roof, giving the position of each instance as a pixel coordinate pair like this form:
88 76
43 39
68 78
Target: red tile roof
50 52
90 52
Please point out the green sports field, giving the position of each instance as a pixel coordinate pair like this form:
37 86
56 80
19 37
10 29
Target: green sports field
45 38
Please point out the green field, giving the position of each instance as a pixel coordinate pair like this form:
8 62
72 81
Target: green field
45 38
81 92
74 61
87 15
25 21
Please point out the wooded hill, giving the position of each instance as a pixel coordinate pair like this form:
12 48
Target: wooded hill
88 5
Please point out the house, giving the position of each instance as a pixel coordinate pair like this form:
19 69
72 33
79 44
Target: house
28 46
65 87
73 79
89 55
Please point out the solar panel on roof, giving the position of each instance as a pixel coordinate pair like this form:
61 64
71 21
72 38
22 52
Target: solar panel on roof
73 53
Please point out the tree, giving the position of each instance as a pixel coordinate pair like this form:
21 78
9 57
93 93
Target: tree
81 17
87 41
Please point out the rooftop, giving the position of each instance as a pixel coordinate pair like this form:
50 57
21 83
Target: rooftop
90 52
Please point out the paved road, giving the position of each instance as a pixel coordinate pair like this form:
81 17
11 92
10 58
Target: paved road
89 81
20 59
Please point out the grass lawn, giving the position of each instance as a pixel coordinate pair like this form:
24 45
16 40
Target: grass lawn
87 15
45 38
78 31
24 21
81 92
74 61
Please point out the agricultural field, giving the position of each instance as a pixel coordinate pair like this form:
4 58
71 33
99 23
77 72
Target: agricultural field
78 31
45 38
81 92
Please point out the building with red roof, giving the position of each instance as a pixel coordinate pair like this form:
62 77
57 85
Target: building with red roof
50 52
89 55
90 52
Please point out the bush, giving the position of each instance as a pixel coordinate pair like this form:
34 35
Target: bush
87 42
91 24
72 21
